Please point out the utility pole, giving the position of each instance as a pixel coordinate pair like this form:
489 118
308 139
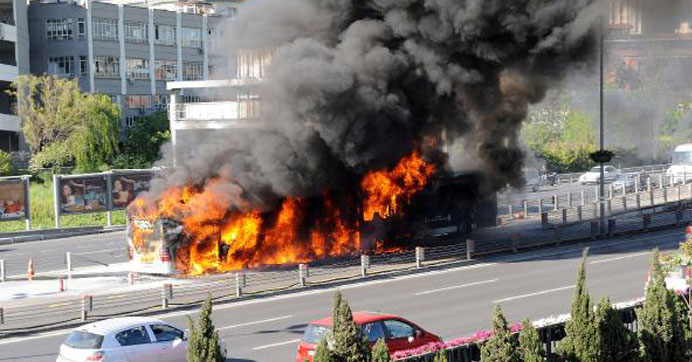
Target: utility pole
602 138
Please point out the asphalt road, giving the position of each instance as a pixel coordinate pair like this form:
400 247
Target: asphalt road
453 302
87 250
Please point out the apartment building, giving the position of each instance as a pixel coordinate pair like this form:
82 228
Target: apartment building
14 60
125 51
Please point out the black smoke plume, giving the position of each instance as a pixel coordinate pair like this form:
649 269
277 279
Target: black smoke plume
356 85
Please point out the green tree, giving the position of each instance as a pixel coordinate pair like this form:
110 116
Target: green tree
501 347
350 345
441 357
143 141
6 167
323 353
203 343
530 345
581 341
380 352
94 142
617 343
661 331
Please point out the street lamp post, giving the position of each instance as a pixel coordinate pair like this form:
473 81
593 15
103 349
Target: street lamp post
602 138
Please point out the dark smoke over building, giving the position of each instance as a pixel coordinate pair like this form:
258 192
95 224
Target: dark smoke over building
355 86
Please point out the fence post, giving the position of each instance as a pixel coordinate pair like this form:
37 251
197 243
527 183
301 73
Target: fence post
660 181
365 264
679 193
665 196
610 191
609 204
68 262
56 199
87 306
540 206
646 221
583 198
579 213
27 202
596 193
611 227
556 202
544 219
569 199
515 242
303 274
511 213
526 208
651 197
2 316
239 276
420 256
564 216
624 202
2 271
638 200
636 185
594 229
166 294
470 249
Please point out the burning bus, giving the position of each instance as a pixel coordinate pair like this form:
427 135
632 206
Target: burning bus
188 233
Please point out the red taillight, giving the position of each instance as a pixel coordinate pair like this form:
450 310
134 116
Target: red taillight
164 255
95 357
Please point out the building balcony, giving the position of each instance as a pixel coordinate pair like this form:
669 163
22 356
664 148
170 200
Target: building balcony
8 32
216 115
9 122
8 73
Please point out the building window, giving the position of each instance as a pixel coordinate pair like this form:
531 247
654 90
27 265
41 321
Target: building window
130 121
83 66
136 32
193 71
164 34
115 98
61 66
138 101
137 68
105 29
192 37
159 102
166 69
106 67
81 28
59 29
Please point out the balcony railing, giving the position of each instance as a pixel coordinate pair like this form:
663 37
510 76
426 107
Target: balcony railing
218 111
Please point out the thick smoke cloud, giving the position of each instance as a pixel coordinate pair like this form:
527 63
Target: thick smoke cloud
356 85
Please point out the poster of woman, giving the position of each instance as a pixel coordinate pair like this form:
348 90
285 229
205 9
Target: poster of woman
84 194
12 200
126 186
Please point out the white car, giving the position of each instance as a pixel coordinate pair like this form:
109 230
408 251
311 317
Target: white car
594 175
129 339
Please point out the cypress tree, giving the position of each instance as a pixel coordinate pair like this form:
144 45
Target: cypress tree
501 347
350 345
530 345
323 353
661 331
617 343
581 341
203 342
380 352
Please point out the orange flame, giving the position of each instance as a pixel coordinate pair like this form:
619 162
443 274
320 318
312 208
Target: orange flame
386 190
221 238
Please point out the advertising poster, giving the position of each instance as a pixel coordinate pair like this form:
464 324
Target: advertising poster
126 187
83 194
12 200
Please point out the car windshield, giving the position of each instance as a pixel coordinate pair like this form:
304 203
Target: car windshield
624 178
84 340
595 169
314 333
682 157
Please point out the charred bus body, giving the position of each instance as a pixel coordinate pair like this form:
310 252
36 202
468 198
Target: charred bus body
444 213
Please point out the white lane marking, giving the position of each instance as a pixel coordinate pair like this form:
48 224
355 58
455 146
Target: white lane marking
255 322
534 294
457 287
276 344
620 258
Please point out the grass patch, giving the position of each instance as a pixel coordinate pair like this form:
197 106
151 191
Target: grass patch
43 212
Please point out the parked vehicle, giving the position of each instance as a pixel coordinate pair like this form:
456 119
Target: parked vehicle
398 333
132 339
594 175
626 182
681 169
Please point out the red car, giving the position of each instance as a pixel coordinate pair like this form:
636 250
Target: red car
399 333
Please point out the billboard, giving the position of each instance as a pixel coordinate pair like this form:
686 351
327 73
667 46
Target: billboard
13 201
83 194
126 186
